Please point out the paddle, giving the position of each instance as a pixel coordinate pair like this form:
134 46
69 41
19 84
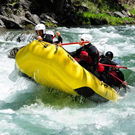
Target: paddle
112 66
53 36
131 68
74 43
130 87
116 77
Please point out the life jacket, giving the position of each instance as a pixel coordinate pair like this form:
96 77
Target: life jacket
115 79
85 56
100 67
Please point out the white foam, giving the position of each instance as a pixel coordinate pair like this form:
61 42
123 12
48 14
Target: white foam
43 113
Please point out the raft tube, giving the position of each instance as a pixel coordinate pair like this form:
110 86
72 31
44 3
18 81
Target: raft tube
52 66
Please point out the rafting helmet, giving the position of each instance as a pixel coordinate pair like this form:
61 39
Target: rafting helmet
109 54
50 32
86 37
40 27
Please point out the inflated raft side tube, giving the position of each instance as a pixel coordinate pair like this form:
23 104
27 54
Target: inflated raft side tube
52 66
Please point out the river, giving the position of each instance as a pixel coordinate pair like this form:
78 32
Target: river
27 108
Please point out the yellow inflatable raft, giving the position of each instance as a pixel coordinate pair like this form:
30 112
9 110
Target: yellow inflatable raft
52 66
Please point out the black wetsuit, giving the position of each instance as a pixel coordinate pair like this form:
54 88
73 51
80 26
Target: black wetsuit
47 38
120 75
106 60
92 52
59 40
105 76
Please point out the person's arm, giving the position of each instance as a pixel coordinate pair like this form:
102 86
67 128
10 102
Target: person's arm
39 38
121 76
112 62
91 49
106 60
59 37
76 53
59 40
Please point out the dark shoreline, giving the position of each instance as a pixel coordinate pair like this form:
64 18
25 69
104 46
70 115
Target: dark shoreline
25 14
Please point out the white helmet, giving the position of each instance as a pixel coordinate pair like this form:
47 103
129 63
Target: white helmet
86 37
50 32
40 27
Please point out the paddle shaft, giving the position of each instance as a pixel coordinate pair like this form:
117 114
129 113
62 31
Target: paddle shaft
112 66
74 43
119 80
116 77
53 36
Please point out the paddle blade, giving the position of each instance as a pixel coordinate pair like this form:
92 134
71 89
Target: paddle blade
103 41
131 88
132 68
13 75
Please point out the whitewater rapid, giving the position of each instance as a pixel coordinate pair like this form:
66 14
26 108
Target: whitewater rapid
27 108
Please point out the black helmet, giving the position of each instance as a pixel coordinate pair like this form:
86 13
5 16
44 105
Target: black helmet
109 54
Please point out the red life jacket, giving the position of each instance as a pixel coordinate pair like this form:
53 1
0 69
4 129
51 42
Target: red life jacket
100 67
84 55
115 79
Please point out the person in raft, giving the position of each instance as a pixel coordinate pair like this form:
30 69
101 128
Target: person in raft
59 41
42 36
104 73
118 73
87 55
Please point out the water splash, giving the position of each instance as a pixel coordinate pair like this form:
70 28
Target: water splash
28 108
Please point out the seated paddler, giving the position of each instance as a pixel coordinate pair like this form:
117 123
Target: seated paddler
42 36
87 55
